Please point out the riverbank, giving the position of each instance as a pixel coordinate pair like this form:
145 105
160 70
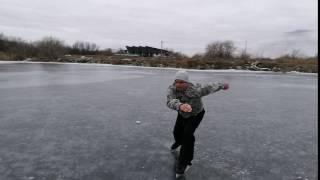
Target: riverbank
164 68
283 64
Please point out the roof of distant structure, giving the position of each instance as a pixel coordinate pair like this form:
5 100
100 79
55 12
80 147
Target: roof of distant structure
146 47
146 51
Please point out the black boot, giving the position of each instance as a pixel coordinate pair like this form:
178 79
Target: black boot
180 168
174 146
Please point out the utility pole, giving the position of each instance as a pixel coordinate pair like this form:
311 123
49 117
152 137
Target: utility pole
161 42
245 48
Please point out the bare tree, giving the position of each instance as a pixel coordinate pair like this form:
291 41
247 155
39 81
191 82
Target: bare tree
220 49
84 48
294 54
50 48
244 55
16 48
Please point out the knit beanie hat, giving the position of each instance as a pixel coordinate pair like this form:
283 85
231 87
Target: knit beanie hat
182 75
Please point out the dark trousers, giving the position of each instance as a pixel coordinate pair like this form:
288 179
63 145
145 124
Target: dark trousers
184 135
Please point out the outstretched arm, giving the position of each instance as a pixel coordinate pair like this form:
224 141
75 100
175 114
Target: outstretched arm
212 88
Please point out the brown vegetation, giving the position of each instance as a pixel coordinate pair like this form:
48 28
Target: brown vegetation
218 55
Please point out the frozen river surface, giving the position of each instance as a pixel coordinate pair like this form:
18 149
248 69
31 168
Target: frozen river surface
63 121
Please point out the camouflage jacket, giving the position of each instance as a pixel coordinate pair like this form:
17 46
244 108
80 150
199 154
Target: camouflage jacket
192 95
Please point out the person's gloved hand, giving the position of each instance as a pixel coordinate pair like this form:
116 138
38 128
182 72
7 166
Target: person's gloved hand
225 86
185 108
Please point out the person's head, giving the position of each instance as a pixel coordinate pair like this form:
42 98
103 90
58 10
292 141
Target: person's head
181 80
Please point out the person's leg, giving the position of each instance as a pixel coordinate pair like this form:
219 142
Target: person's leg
178 131
187 148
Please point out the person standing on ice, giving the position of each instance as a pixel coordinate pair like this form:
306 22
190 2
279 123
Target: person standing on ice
185 97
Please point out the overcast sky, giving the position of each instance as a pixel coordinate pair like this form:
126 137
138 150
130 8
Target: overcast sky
270 27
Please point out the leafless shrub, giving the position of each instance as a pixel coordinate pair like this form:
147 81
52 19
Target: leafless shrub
50 48
220 49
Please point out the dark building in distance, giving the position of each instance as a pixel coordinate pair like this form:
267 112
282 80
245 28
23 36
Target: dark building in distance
146 51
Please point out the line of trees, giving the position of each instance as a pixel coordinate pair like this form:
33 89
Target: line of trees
218 55
84 48
226 50
48 47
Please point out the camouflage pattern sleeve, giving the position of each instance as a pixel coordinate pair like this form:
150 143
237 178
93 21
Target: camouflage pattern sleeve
210 88
172 101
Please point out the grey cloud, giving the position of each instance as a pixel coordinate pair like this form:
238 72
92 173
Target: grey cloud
299 32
